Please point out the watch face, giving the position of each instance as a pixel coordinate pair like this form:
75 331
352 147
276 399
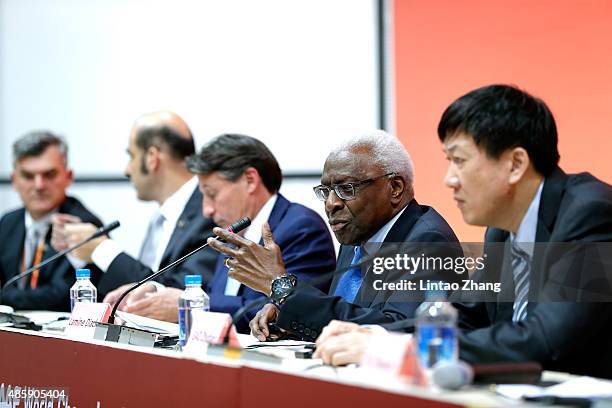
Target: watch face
282 285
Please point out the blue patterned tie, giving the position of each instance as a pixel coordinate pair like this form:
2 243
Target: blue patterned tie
520 271
351 280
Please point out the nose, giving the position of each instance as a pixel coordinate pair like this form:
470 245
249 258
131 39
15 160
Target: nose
127 171
333 203
39 181
207 209
450 179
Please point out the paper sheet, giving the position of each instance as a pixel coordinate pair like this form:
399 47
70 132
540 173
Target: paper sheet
580 387
146 323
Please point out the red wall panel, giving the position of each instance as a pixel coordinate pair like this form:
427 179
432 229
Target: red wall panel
558 50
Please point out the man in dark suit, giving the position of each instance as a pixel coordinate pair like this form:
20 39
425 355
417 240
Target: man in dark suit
40 176
158 145
369 201
502 146
555 305
240 177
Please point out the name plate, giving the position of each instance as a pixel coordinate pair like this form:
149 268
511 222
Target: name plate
393 354
209 328
83 319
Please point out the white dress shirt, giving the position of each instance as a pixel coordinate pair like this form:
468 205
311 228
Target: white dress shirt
526 234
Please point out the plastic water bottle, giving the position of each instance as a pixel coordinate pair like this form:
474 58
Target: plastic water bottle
192 298
436 325
83 290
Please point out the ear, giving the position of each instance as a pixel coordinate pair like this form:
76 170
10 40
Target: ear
252 178
69 177
153 158
519 163
398 186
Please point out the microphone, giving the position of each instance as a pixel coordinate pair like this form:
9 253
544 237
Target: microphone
452 375
235 228
99 232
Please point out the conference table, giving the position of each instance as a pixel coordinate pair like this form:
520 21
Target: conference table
94 373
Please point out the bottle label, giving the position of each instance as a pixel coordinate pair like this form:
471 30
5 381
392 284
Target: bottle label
436 343
183 328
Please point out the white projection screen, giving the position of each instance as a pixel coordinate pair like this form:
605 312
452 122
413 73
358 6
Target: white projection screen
298 74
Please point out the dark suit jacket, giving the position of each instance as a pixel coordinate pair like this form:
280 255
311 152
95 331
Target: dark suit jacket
306 311
55 279
570 332
306 247
190 232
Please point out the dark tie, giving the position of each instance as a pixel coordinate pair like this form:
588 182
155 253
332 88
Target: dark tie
520 272
351 280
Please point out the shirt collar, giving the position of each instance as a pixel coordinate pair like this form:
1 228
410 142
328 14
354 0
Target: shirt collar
526 234
41 223
174 205
253 232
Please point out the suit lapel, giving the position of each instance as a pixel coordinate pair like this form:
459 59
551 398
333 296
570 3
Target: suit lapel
11 259
404 223
192 209
398 233
552 194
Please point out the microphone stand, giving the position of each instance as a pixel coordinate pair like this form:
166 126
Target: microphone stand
111 331
101 231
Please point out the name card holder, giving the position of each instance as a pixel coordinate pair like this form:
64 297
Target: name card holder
209 328
83 319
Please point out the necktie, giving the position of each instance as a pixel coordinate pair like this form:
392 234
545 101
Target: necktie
35 233
520 271
148 250
351 280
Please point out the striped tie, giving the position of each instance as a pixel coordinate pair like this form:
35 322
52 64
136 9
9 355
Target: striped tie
520 271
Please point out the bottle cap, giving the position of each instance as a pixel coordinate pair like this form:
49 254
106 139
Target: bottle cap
83 273
193 279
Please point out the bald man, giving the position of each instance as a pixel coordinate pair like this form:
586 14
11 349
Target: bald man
158 145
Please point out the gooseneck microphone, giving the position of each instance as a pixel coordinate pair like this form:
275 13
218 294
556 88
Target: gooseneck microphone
235 228
100 231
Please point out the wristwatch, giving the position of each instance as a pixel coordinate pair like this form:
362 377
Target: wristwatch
282 287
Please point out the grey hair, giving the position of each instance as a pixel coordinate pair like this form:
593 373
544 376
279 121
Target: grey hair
35 143
387 152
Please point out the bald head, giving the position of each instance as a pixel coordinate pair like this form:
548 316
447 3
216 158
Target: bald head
165 130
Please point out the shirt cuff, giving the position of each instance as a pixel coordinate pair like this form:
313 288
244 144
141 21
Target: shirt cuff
105 253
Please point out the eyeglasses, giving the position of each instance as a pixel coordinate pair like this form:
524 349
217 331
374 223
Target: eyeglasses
345 191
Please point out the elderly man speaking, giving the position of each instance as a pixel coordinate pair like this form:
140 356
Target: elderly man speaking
367 189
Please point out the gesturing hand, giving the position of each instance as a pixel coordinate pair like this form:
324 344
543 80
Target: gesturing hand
251 264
